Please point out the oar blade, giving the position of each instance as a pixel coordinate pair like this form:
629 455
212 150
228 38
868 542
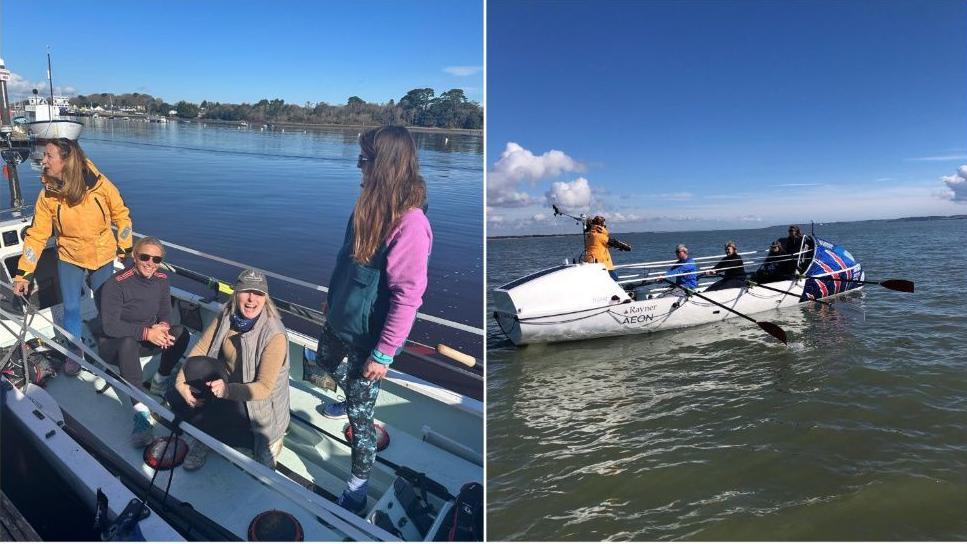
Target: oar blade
773 329
904 286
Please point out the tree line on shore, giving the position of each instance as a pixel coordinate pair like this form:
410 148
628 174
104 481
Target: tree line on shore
419 107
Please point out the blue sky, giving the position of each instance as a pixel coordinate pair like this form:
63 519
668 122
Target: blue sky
724 114
242 51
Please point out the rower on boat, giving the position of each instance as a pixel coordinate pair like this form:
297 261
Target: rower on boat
778 266
375 291
135 310
682 273
731 268
795 243
234 383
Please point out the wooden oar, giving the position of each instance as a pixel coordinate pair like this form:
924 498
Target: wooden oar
904 286
771 328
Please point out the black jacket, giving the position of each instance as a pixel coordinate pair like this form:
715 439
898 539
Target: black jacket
732 267
129 303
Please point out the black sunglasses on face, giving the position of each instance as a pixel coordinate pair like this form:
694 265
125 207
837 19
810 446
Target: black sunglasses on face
361 160
154 258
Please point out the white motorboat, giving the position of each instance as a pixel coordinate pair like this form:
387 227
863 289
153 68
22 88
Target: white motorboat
577 301
46 121
435 447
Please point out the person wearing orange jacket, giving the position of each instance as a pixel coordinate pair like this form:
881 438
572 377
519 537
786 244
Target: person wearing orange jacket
596 244
78 204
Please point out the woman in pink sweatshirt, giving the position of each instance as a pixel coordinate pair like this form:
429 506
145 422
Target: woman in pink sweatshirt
375 290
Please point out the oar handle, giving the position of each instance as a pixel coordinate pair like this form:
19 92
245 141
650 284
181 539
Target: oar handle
458 356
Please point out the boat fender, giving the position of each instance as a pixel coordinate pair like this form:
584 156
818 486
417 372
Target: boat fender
382 435
161 454
275 525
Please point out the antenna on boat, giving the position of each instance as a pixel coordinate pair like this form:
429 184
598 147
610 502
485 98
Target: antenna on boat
50 83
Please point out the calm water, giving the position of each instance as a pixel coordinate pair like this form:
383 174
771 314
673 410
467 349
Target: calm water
856 431
280 201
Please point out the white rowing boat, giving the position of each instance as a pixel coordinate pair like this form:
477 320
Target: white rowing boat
436 435
577 301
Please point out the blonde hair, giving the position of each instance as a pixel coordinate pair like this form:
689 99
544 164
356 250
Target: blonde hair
71 181
391 185
148 241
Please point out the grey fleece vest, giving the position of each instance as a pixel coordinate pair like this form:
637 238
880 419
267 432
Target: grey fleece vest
269 417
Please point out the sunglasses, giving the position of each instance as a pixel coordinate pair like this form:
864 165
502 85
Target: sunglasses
362 159
153 258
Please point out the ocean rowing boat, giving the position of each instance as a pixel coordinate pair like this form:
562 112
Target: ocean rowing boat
577 301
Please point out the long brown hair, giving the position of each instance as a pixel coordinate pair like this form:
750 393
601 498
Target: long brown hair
391 185
71 181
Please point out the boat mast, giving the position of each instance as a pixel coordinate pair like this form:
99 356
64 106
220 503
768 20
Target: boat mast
50 82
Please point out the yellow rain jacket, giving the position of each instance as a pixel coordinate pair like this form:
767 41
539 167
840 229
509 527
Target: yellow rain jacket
84 236
596 246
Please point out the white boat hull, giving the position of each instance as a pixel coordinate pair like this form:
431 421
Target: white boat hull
57 128
581 301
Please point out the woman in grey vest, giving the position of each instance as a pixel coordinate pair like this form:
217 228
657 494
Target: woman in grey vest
234 385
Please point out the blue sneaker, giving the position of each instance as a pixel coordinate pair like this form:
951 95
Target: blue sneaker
143 432
354 501
334 410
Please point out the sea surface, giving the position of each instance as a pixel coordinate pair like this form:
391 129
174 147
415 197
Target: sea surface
280 201
855 431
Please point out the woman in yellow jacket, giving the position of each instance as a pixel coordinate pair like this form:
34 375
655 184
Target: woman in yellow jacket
596 240
78 205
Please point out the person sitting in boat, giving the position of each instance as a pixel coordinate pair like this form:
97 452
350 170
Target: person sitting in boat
731 268
684 272
596 239
135 309
234 384
795 242
380 272
82 203
778 266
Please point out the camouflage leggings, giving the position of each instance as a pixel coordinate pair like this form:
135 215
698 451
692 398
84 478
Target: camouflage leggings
360 396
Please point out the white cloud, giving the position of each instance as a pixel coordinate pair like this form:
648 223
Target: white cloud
539 217
18 87
517 165
491 218
958 157
462 70
957 184
574 196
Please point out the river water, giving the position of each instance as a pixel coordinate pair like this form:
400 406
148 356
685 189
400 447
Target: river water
855 431
280 201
